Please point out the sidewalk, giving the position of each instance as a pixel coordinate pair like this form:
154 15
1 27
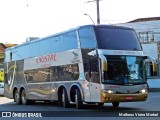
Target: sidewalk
154 85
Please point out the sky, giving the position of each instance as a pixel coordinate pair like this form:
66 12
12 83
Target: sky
20 19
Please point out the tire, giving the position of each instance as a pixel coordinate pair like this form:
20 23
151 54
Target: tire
78 99
24 98
65 100
17 97
100 104
115 104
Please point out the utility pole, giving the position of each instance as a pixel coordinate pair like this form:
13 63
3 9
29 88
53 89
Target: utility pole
98 14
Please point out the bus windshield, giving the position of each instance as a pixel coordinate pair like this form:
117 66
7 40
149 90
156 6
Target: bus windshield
124 70
117 39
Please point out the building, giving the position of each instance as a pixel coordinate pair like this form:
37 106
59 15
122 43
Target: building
148 31
2 49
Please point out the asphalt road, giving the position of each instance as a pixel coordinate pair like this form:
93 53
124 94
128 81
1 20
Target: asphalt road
126 110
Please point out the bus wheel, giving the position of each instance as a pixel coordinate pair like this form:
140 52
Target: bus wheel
78 99
23 97
17 97
65 100
115 104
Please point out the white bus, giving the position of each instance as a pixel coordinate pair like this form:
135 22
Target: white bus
89 64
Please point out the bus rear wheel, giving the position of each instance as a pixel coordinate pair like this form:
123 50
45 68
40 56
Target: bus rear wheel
65 100
23 97
17 97
78 99
115 104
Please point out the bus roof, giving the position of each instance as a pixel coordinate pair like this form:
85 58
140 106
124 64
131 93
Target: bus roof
78 27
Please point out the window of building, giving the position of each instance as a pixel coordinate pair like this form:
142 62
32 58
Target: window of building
146 37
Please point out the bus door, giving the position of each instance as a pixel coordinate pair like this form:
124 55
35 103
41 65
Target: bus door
94 83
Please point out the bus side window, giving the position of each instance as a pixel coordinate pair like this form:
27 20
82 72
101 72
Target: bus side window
87 38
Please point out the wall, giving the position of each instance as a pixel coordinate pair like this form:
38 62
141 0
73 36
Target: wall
150 49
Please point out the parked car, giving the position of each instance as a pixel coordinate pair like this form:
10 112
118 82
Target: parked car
1 88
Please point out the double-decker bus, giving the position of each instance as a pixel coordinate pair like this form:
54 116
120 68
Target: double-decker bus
89 64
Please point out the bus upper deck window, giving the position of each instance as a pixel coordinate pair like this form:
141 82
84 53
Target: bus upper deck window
10 56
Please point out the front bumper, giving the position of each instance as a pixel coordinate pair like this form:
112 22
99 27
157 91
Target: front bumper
107 97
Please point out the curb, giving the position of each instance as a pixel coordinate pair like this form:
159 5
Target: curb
154 89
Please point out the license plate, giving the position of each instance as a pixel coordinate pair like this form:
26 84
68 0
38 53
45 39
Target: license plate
129 98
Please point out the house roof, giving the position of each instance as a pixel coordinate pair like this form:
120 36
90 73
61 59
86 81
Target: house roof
144 19
9 45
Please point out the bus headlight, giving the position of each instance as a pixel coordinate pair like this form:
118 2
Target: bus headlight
143 91
109 91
